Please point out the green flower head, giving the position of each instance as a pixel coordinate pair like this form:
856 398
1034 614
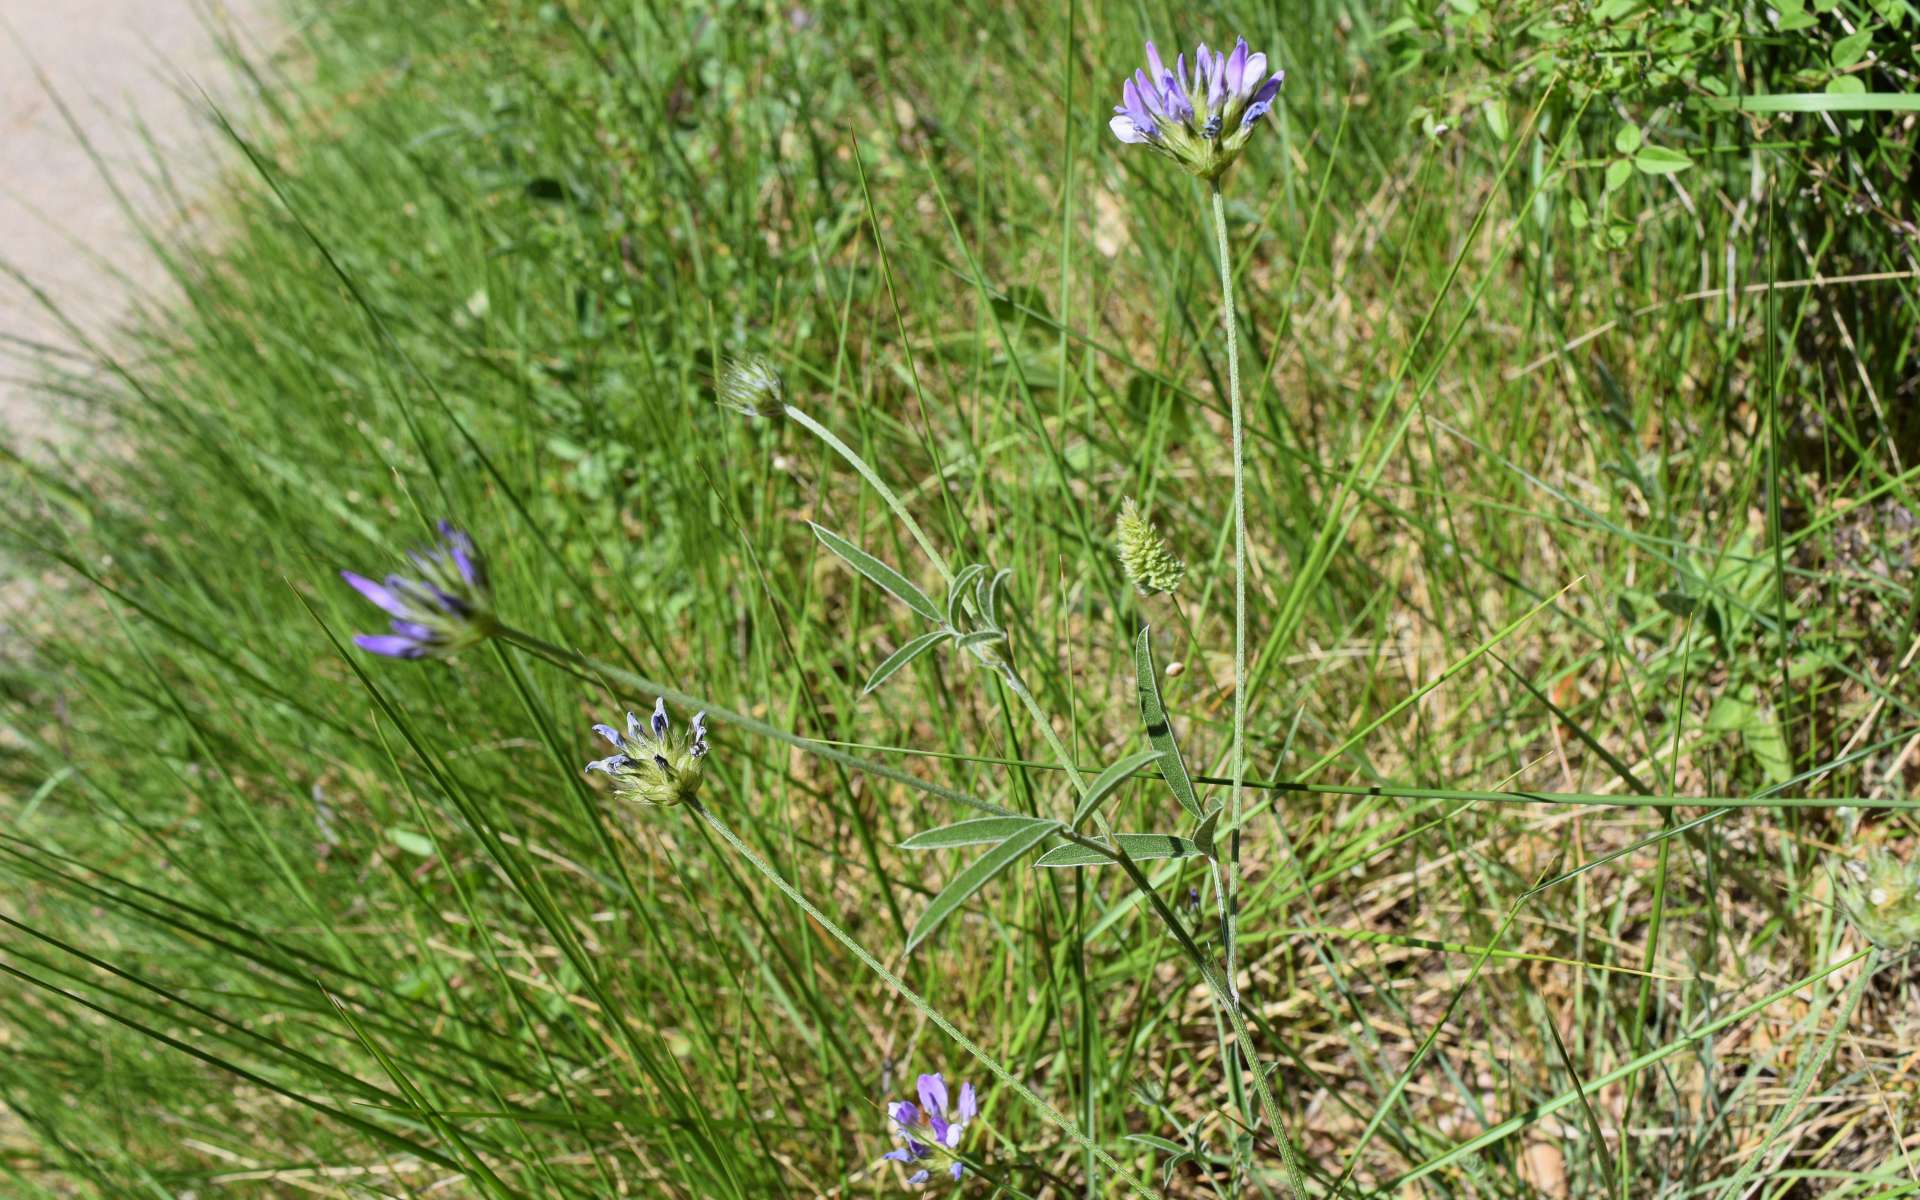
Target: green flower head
656 764
1885 901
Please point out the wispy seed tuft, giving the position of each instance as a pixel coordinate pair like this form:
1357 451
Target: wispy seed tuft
751 387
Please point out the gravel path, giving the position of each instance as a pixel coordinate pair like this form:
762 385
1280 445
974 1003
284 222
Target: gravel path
126 71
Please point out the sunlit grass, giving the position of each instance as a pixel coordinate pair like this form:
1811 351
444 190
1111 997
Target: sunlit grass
1542 800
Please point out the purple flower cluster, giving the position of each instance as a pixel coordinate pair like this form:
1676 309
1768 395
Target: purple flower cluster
445 607
655 764
1202 119
931 1121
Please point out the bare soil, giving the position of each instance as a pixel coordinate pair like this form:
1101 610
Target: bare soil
129 75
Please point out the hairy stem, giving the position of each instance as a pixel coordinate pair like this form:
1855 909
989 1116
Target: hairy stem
1238 754
600 672
874 481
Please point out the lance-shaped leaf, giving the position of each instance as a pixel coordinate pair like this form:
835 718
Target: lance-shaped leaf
1153 715
902 588
975 832
901 657
1178 1155
1109 779
1139 846
957 593
975 877
986 595
1203 836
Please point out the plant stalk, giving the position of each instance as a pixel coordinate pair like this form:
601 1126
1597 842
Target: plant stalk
1238 754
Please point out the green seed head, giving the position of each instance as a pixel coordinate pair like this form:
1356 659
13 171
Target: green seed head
1144 554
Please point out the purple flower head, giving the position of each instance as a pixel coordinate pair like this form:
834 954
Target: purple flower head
444 605
933 1126
1200 119
653 763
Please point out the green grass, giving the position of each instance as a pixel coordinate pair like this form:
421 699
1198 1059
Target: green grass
1582 619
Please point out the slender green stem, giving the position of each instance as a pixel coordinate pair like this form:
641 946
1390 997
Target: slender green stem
1238 754
599 671
1010 675
1229 995
1222 988
1230 1006
876 483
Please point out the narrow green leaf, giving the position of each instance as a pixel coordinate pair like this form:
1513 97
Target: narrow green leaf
975 877
980 637
957 593
1176 1155
413 843
1139 846
901 657
1203 836
902 588
1153 715
987 595
1158 1143
1678 603
1495 109
974 832
1109 779
1851 49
